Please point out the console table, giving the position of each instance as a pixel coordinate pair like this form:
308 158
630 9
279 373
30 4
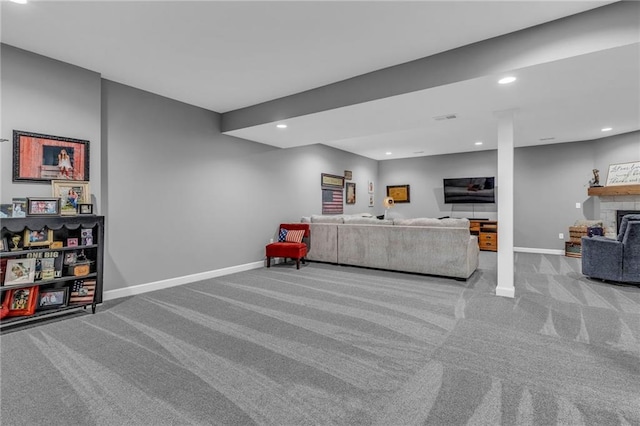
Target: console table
487 232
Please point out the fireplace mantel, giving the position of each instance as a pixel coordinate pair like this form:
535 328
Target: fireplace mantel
614 190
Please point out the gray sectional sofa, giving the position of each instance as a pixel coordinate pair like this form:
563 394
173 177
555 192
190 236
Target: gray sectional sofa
441 247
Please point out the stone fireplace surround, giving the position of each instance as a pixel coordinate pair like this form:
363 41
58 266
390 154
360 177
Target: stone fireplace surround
612 199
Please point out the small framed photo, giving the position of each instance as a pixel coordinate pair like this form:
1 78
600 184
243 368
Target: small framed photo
86 235
348 174
85 208
371 199
53 298
6 210
370 187
22 301
72 242
4 245
41 206
20 271
43 237
71 194
70 258
19 207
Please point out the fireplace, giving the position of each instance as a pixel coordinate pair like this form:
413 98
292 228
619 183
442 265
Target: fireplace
620 213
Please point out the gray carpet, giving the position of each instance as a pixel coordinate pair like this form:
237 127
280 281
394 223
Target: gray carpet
330 345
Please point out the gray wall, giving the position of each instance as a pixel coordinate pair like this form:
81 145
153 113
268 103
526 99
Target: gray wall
549 181
179 197
183 198
42 95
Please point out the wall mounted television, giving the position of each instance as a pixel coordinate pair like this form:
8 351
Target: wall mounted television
470 190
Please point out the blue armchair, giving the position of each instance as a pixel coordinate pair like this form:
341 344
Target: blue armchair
614 260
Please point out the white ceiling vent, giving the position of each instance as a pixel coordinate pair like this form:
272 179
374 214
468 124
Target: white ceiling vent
445 117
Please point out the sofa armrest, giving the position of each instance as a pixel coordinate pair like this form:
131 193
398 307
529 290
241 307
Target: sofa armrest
602 258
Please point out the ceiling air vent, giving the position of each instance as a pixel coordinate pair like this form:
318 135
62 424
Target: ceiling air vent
445 117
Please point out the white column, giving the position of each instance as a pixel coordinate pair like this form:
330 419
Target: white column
505 286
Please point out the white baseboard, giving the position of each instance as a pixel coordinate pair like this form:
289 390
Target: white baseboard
172 282
538 251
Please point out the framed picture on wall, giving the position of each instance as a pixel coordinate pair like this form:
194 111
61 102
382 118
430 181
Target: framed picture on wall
399 193
331 181
351 193
42 158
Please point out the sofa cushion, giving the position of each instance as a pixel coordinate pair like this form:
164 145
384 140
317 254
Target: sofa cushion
282 235
366 221
623 224
427 221
316 218
294 235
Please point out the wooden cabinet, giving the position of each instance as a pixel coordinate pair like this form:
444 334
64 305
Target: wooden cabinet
487 232
49 265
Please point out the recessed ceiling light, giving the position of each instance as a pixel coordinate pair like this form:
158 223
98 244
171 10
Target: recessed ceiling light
388 153
607 129
281 126
479 143
507 80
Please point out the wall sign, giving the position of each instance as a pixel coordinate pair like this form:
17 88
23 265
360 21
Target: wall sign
624 174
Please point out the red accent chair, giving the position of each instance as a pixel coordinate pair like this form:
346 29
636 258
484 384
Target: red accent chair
287 249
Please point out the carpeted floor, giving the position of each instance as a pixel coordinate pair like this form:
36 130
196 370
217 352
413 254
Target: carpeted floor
331 345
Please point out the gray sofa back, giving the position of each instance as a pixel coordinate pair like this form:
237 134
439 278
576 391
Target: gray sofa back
444 248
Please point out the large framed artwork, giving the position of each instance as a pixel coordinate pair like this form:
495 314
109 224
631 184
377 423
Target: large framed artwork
42 158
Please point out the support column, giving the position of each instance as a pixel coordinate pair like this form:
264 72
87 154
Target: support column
506 259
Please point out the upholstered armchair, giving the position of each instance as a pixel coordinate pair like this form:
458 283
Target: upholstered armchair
291 243
614 260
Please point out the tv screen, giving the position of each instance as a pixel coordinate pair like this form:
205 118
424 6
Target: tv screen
469 190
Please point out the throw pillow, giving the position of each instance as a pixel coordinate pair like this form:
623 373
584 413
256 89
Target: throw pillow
294 235
282 236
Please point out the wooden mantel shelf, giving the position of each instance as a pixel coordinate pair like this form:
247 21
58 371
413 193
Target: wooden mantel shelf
614 190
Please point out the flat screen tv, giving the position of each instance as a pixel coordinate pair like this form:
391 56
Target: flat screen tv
469 190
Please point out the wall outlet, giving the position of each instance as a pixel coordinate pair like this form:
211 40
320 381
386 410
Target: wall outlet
577 205
561 236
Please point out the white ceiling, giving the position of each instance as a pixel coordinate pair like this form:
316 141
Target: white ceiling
224 56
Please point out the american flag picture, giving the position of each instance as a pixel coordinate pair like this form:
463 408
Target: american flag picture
332 201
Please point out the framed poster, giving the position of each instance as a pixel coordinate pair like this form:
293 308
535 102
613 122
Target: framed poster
42 158
332 181
399 193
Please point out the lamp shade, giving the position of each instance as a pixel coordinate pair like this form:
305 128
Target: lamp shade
388 202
